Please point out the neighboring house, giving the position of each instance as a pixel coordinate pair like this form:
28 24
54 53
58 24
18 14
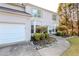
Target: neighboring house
15 23
42 17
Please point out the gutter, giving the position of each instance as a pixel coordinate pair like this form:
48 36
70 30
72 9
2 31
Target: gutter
13 10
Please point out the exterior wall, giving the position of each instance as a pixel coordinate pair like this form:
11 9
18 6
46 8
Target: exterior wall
45 19
17 19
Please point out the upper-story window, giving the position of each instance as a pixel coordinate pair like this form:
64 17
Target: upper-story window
54 17
36 12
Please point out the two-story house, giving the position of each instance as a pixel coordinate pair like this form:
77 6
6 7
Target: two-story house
42 17
17 20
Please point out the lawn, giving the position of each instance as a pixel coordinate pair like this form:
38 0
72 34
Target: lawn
74 48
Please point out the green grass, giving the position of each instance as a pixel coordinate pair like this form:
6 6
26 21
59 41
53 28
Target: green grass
74 48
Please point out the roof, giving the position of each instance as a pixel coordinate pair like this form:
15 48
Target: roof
38 7
13 10
25 4
16 4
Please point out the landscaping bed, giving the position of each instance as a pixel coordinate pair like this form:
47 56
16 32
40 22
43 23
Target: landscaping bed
42 40
74 48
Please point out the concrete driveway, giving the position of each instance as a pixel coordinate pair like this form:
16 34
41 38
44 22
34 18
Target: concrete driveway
19 49
27 49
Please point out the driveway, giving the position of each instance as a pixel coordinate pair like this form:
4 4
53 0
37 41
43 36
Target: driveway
28 49
19 49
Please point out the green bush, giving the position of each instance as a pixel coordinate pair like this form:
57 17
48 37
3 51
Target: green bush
40 29
61 33
42 36
46 35
62 30
37 36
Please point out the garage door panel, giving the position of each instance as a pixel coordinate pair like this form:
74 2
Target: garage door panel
12 33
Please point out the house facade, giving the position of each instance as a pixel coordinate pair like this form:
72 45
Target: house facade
15 23
17 20
42 17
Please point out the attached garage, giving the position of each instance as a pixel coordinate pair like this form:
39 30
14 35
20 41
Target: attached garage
11 32
14 26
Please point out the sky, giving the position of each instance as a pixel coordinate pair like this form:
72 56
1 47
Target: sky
47 4
51 5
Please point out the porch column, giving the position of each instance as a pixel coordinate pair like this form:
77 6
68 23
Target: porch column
48 30
34 27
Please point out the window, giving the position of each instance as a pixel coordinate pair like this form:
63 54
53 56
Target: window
53 30
54 17
32 28
36 13
39 13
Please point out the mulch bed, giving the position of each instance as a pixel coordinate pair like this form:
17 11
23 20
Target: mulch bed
45 41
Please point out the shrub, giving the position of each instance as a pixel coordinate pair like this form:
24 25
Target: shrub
42 36
61 33
62 30
40 29
46 35
37 36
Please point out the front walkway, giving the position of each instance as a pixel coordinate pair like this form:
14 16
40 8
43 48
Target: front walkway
56 49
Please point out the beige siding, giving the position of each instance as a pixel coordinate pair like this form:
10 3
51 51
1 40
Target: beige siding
17 19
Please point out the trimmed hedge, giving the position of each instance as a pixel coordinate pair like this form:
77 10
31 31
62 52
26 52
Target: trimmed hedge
46 35
40 36
37 36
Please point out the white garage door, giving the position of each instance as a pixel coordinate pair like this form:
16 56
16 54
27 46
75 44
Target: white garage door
11 33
